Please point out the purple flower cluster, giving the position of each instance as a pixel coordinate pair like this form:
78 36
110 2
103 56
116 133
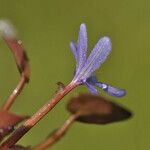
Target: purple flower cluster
86 66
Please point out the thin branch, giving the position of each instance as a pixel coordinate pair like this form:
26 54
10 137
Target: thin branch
59 133
21 131
8 103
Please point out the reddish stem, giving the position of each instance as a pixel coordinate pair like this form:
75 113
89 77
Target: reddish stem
21 131
57 134
8 103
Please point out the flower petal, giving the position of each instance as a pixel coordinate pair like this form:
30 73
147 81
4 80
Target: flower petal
82 46
91 88
97 57
73 47
92 80
113 91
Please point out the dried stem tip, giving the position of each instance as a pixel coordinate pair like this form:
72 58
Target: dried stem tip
7 29
8 33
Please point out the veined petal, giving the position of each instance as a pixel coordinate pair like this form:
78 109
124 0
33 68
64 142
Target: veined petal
113 91
73 47
97 57
82 46
91 88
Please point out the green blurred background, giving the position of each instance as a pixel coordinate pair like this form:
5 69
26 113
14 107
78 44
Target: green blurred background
46 27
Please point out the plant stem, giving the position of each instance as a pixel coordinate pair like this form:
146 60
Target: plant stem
8 103
59 133
21 131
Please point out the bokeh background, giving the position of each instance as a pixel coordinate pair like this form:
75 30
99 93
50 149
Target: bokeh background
46 27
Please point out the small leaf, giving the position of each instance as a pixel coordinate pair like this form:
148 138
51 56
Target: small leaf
8 121
96 109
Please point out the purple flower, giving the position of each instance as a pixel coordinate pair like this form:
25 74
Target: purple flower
85 67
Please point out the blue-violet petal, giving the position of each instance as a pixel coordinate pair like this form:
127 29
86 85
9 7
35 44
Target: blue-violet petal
73 47
97 56
82 46
92 80
91 88
113 91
